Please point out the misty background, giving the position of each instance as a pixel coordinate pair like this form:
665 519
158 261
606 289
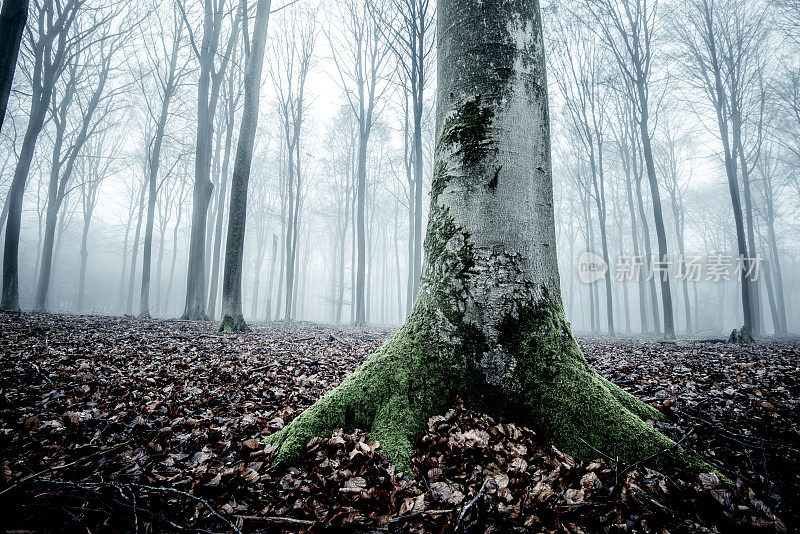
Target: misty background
697 94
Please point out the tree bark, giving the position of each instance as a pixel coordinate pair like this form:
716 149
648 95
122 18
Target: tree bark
12 23
232 319
488 323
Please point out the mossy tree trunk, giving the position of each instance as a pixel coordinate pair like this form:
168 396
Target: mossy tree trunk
488 324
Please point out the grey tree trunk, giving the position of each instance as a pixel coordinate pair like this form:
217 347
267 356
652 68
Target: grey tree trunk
16 192
270 283
232 318
135 249
154 163
661 235
168 293
12 23
648 250
361 238
208 88
488 323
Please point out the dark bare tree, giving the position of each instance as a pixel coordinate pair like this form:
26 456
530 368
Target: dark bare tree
13 16
50 41
628 28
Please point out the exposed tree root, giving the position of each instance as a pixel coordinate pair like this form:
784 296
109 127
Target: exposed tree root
230 323
408 380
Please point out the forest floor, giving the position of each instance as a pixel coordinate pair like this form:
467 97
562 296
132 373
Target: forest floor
115 424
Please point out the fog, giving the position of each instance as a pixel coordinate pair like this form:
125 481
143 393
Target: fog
699 97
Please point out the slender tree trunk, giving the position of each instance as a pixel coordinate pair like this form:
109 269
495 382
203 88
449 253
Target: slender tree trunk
84 258
270 286
661 236
755 299
220 212
488 324
135 250
10 301
649 253
773 246
232 318
361 238
172 262
259 260
599 196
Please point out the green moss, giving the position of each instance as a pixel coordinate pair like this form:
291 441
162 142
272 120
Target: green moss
577 408
467 132
438 355
392 394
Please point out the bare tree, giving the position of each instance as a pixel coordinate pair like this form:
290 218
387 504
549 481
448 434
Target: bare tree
293 60
361 57
232 94
50 41
488 322
95 164
409 26
232 318
166 73
628 28
580 76
96 99
720 42
670 158
213 65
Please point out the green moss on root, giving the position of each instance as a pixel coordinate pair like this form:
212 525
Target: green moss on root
578 409
231 323
437 354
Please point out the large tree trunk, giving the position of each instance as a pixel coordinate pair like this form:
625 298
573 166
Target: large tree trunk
12 23
232 318
488 323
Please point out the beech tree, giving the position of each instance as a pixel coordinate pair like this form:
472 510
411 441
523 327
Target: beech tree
488 324
232 319
721 43
162 63
293 59
208 88
93 107
361 59
627 27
